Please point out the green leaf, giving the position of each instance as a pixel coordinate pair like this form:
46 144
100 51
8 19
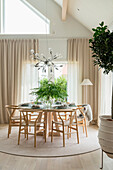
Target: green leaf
51 90
102 47
93 29
102 23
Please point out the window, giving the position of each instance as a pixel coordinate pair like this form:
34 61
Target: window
62 71
19 17
31 79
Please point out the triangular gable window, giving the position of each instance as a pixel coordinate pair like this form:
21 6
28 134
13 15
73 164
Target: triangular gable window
21 18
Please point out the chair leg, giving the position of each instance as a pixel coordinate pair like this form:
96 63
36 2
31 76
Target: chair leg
66 128
68 132
27 131
65 116
30 126
52 133
35 136
85 127
45 131
9 129
19 135
63 136
77 134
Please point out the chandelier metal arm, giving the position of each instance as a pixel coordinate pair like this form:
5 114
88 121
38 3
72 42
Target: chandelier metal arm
45 60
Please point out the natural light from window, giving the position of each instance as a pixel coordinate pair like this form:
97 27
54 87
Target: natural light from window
31 77
21 18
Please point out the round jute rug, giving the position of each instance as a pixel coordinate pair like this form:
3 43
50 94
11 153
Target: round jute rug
48 149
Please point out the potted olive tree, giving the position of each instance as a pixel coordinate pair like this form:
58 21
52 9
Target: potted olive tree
102 49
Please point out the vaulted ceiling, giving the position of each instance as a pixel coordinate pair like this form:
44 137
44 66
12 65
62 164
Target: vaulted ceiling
89 12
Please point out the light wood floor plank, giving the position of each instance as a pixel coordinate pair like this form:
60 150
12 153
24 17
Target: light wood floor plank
89 161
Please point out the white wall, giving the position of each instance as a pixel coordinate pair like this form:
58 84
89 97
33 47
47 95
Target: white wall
58 46
59 28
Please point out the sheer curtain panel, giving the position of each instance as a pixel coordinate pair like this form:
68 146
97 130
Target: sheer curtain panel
105 94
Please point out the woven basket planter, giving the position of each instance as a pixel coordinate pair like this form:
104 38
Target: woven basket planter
105 135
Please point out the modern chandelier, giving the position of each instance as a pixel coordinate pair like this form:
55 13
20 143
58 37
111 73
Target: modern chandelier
44 62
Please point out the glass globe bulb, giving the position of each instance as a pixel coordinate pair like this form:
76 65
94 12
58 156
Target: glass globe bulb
32 51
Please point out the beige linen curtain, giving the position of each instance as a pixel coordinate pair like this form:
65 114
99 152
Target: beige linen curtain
13 53
79 51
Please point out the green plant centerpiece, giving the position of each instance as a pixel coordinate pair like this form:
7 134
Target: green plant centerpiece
49 91
102 49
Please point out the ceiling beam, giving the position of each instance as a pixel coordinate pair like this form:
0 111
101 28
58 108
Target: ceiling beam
64 9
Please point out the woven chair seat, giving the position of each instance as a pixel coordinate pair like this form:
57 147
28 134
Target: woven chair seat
15 118
66 123
31 123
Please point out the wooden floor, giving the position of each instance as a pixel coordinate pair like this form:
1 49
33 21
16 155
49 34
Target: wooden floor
90 161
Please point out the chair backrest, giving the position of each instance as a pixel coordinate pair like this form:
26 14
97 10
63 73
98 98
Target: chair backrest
11 109
81 110
60 113
26 112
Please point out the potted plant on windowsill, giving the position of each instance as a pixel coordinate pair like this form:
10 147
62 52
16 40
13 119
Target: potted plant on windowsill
102 47
49 91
